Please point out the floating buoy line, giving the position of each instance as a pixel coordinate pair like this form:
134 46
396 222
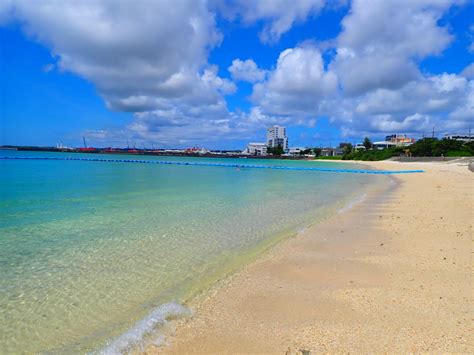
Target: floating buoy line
224 165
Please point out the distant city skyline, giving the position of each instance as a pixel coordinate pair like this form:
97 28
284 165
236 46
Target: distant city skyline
217 74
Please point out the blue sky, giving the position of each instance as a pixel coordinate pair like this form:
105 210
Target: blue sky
217 73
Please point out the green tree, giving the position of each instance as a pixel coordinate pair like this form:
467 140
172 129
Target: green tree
432 147
424 147
277 151
367 143
347 151
317 152
347 148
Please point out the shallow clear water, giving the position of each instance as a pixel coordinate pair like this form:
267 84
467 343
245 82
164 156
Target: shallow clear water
87 249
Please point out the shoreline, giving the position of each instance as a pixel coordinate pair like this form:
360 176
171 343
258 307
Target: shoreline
318 291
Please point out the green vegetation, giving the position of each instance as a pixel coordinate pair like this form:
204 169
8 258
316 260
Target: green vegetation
372 155
427 147
336 157
432 147
348 149
367 143
277 151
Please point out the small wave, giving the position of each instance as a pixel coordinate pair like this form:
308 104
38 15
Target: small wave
352 203
134 336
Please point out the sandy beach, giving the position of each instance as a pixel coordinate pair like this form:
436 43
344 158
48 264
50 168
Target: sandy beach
392 274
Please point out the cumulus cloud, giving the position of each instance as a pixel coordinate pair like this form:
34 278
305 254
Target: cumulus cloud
380 43
279 15
133 52
463 115
377 64
415 107
468 71
471 35
246 70
151 58
362 73
373 84
185 126
145 57
297 85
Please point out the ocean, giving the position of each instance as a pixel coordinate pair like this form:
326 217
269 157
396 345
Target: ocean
95 256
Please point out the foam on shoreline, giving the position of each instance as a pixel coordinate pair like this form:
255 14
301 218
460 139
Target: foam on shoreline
135 336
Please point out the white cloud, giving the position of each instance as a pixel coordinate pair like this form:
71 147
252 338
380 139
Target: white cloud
47 68
246 70
151 58
132 51
470 48
380 43
463 115
185 126
362 73
468 71
381 89
415 107
279 15
297 85
146 57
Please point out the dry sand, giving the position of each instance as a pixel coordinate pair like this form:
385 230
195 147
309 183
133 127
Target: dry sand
393 274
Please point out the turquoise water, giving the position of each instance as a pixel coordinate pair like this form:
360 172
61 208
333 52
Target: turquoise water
89 249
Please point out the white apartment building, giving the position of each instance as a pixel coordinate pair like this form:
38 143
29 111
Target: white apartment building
276 136
256 149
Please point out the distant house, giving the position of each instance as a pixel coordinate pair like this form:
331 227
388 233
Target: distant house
460 137
401 140
296 150
332 152
383 145
256 149
196 150
394 140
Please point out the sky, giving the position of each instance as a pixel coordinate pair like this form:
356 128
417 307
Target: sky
216 74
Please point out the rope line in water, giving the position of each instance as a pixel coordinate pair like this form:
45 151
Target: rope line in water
275 167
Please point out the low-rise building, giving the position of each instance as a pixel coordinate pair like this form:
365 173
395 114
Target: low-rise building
460 137
332 152
383 145
400 140
296 150
256 149
196 150
394 140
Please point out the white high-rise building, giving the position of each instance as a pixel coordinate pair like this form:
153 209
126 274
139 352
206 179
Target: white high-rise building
276 136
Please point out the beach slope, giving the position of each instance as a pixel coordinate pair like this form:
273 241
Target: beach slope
392 274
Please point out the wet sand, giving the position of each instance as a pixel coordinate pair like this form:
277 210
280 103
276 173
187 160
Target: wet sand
392 274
